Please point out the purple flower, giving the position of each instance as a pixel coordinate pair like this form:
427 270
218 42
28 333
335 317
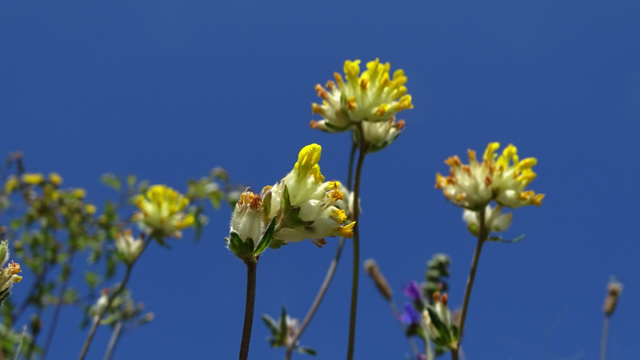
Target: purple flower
422 357
413 291
410 315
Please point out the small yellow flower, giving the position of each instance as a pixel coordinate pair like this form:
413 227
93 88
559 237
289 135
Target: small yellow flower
80 193
503 180
372 96
11 184
9 275
90 209
55 179
161 211
33 179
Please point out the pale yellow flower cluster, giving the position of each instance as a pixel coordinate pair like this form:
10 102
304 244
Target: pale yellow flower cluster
503 180
161 211
312 199
301 206
371 99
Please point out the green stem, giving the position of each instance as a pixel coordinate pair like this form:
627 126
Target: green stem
482 237
98 317
356 242
327 280
252 266
605 334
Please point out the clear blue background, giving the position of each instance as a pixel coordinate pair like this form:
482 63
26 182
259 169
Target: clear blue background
169 89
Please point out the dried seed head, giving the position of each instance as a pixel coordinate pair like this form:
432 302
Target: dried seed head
614 290
372 269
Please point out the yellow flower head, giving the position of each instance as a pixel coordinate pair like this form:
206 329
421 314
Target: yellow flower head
372 96
511 177
55 179
314 200
33 179
161 211
307 164
503 179
11 184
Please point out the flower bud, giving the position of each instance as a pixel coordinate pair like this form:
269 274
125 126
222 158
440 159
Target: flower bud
246 220
494 220
128 247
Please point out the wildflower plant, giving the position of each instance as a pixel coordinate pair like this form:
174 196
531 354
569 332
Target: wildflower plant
502 179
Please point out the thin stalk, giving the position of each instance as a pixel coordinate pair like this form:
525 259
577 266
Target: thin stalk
482 237
252 267
327 280
56 311
117 330
98 317
24 335
356 242
605 335
40 277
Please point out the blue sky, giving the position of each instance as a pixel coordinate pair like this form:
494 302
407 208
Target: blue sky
170 89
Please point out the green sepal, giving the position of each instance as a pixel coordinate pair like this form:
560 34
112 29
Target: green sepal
290 213
283 326
286 200
416 330
265 208
266 237
271 324
443 331
336 128
306 351
277 243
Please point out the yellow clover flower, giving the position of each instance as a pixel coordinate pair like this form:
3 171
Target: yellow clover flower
371 96
33 179
503 180
161 211
311 198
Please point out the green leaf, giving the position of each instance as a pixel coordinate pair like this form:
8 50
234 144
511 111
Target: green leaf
271 324
215 198
111 181
266 238
306 350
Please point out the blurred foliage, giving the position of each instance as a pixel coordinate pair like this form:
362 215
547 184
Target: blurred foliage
50 226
